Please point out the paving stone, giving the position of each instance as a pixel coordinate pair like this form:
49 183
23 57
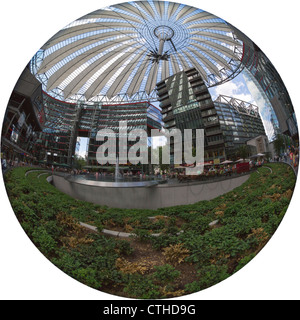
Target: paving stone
213 223
111 232
155 234
88 226
124 234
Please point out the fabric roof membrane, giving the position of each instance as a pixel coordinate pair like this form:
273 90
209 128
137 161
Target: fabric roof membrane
123 49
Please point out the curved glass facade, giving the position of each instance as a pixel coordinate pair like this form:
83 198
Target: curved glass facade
276 107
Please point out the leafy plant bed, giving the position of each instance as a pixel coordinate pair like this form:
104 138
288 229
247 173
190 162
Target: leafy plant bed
152 224
220 236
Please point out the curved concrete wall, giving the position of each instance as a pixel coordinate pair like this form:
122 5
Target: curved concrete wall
165 195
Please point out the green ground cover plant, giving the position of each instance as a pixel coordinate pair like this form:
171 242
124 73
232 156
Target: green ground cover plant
189 255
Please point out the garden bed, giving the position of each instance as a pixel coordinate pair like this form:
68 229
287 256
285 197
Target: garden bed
190 254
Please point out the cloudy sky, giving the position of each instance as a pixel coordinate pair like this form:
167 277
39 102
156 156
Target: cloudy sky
236 88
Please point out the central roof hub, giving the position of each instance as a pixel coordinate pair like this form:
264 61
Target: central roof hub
164 33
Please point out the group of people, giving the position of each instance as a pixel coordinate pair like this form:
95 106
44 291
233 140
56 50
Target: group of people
291 156
256 163
210 171
103 174
9 163
223 170
219 170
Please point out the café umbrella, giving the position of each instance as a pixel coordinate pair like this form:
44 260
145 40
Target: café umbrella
226 162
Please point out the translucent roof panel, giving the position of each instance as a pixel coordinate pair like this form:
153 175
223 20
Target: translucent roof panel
125 49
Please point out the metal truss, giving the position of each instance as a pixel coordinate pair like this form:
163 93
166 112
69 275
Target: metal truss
240 106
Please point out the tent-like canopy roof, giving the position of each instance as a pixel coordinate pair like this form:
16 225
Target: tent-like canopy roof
125 49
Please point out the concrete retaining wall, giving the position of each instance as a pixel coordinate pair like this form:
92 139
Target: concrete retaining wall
147 198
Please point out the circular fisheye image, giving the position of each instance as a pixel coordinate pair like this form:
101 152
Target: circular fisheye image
128 163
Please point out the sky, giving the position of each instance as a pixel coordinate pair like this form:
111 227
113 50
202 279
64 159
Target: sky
82 147
236 88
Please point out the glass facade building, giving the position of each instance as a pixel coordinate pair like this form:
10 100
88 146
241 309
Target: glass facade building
186 104
45 129
239 121
57 142
269 83
141 115
24 119
81 120
227 122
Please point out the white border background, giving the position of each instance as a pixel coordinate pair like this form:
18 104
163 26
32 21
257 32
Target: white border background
25 273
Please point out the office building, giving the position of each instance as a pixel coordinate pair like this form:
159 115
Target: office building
227 122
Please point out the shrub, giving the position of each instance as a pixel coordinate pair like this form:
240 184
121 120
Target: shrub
141 234
165 274
175 254
244 261
141 287
248 216
87 276
200 251
43 240
132 267
208 276
163 240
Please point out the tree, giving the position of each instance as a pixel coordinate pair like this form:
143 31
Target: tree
79 162
279 144
243 151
